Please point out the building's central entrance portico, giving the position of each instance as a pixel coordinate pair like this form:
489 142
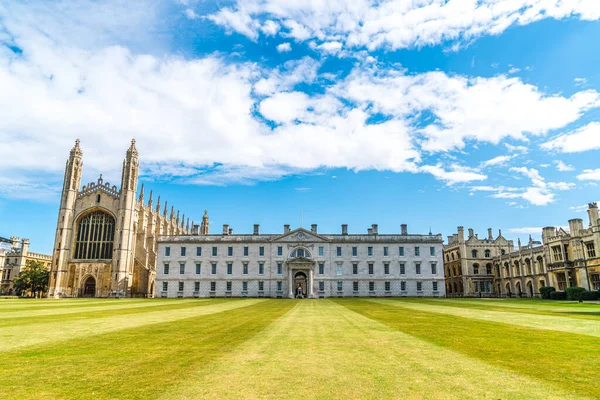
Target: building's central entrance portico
300 278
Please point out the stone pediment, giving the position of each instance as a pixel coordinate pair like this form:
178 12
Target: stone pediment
300 235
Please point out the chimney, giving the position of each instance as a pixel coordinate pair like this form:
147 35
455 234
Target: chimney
575 225
286 229
230 231
593 214
370 231
374 229
500 232
344 229
471 234
490 236
313 228
547 233
461 234
24 247
196 229
404 229
14 242
256 229
225 229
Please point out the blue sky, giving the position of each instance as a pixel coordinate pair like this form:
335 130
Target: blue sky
477 113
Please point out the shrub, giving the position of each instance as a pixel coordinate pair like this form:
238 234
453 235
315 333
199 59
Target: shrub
558 295
590 295
575 293
545 291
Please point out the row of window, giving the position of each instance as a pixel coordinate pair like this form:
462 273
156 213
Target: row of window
261 286
298 252
321 268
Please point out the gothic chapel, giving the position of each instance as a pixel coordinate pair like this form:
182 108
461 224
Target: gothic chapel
105 244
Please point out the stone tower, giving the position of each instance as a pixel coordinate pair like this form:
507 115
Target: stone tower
204 224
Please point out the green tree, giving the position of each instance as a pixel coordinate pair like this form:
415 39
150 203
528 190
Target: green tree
32 278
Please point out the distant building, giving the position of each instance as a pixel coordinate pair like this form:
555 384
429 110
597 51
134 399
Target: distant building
493 267
300 263
14 255
105 243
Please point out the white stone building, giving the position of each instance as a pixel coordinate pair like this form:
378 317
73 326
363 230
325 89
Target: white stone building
300 262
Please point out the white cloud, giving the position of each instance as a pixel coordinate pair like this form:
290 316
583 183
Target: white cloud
513 70
561 185
589 175
191 14
496 161
582 139
540 193
456 173
330 47
526 230
270 28
516 149
562 167
580 81
284 47
395 24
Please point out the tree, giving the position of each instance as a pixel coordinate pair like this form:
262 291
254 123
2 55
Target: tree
32 278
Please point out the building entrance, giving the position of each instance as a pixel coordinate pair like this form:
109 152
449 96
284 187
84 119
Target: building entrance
300 285
89 287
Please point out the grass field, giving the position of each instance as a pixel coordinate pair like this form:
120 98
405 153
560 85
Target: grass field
309 349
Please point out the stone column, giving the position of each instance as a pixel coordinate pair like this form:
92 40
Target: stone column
290 284
310 283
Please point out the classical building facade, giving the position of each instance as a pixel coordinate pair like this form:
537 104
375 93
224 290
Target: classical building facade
14 255
300 263
106 237
493 267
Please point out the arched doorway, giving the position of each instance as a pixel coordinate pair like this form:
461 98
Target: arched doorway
300 284
89 287
508 291
518 288
530 289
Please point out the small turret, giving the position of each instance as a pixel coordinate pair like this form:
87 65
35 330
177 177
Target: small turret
141 199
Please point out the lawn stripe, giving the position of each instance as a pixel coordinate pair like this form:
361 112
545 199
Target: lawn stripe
44 304
560 324
321 350
14 337
105 306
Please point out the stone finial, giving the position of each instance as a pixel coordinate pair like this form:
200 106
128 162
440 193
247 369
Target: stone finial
150 201
158 205
172 216
142 194
76 150
187 225
165 210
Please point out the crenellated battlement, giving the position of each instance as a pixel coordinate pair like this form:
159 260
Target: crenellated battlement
101 186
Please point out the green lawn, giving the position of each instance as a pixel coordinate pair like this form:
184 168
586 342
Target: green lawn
309 349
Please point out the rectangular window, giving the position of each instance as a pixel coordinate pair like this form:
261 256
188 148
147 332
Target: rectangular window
401 251
417 251
213 286
245 251
386 268
165 286
354 269
355 286
213 268
354 251
228 286
418 268
339 251
403 286
183 252
229 268
261 251
435 286
321 251
596 281
244 286
590 250
371 286
387 287
214 251
279 268
557 253
434 269
432 251
261 268
181 286
279 286
166 269
370 251
196 286
245 269
279 251
321 286
339 270
385 251
321 268
340 286
167 251
402 269
419 286
198 251
230 251
181 268
371 269
261 286
198 267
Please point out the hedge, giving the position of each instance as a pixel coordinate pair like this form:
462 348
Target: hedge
575 293
558 295
545 291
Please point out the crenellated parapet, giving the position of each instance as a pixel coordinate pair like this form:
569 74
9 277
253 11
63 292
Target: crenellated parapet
101 186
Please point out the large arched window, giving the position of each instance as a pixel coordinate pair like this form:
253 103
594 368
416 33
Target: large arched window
300 253
95 236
